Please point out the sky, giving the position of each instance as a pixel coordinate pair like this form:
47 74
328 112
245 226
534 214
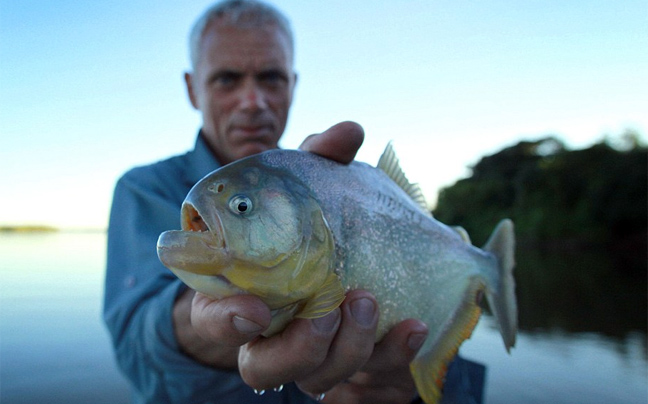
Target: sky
91 89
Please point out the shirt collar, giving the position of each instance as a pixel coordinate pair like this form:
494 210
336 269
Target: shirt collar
203 160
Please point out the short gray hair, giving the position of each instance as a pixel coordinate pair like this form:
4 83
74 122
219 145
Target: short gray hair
239 13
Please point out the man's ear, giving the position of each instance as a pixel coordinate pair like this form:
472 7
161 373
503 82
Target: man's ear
292 89
188 77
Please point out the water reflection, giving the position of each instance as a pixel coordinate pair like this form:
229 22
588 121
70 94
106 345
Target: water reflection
582 338
53 346
585 291
582 319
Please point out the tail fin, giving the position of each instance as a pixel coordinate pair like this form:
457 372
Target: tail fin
501 297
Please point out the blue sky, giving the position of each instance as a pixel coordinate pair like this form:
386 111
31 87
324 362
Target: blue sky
90 89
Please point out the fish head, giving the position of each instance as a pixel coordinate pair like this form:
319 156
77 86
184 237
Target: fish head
248 228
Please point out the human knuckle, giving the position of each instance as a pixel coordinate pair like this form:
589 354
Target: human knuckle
358 354
251 378
313 360
254 376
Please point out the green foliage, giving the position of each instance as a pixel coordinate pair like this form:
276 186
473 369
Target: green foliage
553 194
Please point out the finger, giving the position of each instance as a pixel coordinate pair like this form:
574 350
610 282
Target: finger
399 346
299 349
370 394
385 378
388 367
340 142
351 347
231 321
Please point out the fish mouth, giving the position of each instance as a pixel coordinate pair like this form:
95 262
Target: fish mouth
207 258
193 221
199 248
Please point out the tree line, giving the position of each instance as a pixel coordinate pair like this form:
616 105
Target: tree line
556 196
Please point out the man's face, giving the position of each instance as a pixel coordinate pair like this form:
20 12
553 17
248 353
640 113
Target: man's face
243 85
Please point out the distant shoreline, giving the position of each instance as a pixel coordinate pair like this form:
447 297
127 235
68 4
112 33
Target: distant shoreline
47 229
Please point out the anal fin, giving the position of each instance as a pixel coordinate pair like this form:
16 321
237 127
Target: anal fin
429 368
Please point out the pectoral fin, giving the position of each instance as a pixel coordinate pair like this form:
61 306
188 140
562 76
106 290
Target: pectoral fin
327 298
429 368
280 318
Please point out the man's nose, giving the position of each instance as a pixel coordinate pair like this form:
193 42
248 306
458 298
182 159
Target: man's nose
252 97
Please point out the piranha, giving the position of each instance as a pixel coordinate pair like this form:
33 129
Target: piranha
299 230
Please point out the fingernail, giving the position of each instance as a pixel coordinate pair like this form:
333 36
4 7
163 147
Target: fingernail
327 323
245 326
363 311
416 340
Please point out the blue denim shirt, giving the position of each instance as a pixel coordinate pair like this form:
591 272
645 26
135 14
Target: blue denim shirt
140 293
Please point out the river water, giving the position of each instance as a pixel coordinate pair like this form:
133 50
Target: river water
582 320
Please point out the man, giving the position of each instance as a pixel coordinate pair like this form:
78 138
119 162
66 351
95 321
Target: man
178 346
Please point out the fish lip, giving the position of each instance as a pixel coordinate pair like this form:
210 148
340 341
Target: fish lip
194 220
223 279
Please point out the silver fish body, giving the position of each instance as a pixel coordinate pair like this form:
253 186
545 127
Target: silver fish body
376 236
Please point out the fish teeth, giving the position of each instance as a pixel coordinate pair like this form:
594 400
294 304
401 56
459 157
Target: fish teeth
192 220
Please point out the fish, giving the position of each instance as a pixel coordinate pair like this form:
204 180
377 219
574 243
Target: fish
299 231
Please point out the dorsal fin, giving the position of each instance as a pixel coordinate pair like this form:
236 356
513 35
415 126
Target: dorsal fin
389 164
462 233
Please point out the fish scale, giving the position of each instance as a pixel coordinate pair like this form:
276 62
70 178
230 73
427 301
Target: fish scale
318 229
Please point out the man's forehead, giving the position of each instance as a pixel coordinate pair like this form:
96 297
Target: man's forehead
265 46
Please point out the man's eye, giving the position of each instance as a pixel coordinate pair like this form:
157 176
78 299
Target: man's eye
272 78
226 80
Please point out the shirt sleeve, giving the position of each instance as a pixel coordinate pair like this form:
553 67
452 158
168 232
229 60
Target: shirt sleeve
139 297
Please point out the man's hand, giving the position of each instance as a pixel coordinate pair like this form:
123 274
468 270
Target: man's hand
335 354
340 142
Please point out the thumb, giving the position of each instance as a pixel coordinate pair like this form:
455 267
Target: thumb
339 143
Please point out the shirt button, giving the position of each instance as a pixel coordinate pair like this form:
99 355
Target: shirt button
129 282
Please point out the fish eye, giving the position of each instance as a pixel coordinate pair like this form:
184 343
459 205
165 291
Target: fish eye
240 204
